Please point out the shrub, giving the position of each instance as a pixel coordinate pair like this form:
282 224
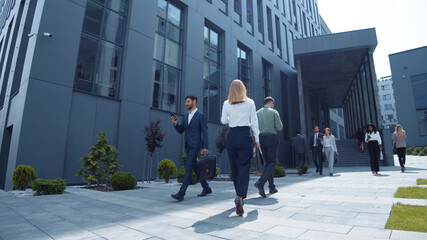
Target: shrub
49 186
417 151
101 163
166 169
123 181
278 170
304 168
218 170
409 150
181 174
23 176
424 151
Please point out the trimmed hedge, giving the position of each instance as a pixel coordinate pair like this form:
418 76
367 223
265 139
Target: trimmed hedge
420 151
123 181
23 176
48 186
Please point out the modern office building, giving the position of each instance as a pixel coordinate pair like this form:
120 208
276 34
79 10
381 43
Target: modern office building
72 68
387 102
409 72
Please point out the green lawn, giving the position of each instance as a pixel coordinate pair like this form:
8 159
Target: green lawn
421 181
408 218
411 192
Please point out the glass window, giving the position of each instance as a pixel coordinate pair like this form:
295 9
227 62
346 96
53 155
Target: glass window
387 97
243 66
278 37
388 107
334 127
167 56
266 77
212 74
100 52
269 25
260 17
342 131
250 11
385 87
419 88
389 116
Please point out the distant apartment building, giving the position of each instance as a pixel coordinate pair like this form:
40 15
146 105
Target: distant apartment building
387 102
337 123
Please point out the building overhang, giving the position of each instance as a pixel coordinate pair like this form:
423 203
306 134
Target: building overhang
329 63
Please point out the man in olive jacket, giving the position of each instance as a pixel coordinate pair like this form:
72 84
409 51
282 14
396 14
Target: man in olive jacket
269 123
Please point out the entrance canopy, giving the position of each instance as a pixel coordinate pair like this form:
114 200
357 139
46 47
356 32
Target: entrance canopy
330 63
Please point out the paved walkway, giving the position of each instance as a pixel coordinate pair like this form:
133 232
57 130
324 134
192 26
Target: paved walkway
352 205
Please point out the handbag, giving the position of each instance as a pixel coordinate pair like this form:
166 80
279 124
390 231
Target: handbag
206 167
336 158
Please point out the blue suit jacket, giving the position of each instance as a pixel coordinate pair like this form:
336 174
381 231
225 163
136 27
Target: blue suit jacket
298 144
196 134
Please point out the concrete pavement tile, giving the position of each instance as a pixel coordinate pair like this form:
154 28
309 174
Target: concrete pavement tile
120 232
306 217
319 235
370 232
255 226
406 235
18 231
291 232
371 220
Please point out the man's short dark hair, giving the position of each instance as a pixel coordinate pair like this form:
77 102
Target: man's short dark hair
191 97
298 131
267 100
316 126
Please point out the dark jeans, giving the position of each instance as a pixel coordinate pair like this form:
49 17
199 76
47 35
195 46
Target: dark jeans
268 144
300 159
401 153
374 154
190 164
317 158
239 148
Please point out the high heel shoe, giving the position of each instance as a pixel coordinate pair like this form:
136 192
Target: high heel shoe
239 206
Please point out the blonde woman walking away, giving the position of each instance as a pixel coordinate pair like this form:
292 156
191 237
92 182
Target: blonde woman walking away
329 148
399 144
240 114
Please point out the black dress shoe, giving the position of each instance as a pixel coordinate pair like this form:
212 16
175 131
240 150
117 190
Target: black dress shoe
205 192
177 197
273 191
260 189
317 170
239 206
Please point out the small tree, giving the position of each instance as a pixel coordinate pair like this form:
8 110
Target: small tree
166 169
154 139
100 164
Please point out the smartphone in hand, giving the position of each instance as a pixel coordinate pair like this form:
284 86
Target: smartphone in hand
173 116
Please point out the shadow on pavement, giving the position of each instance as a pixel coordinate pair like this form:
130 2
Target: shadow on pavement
223 221
260 201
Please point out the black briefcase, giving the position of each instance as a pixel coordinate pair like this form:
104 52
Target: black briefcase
206 167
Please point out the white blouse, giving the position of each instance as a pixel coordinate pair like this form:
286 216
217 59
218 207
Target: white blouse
241 115
375 136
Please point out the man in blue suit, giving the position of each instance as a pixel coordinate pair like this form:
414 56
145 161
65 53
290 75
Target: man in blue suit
299 147
196 138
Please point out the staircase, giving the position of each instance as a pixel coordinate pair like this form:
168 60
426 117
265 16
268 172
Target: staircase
350 155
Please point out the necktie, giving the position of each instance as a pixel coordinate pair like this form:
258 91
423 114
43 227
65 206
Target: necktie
315 140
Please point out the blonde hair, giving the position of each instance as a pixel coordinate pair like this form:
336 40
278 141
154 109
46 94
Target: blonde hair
237 92
329 130
399 130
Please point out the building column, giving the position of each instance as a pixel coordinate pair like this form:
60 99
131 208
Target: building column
376 103
301 98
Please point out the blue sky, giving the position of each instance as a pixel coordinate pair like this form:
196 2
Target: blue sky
400 24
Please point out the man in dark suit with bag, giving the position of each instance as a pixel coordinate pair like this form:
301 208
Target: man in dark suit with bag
196 139
299 148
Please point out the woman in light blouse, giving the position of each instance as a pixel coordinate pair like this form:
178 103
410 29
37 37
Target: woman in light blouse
240 114
329 148
373 139
399 144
